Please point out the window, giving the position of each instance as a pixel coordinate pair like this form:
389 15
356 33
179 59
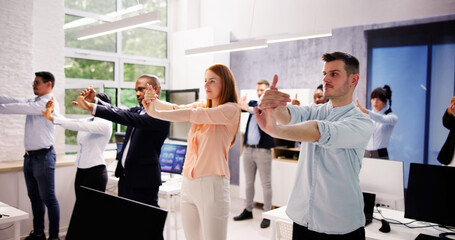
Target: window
417 62
112 63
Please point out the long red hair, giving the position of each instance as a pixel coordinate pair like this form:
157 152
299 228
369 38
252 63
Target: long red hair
228 88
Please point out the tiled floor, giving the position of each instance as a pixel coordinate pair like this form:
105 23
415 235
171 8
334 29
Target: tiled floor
237 230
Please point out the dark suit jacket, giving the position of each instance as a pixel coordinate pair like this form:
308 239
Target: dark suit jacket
446 154
266 141
142 166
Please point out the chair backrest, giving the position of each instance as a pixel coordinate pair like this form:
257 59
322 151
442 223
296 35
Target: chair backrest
283 229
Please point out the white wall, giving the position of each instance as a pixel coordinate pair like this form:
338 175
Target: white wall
249 19
299 16
32 40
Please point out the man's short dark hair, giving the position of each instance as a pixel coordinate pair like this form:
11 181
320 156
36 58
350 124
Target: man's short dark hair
46 76
104 97
351 63
152 80
263 81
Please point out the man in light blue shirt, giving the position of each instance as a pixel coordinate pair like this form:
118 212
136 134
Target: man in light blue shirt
326 201
39 158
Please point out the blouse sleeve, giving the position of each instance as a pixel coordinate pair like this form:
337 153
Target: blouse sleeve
220 115
391 118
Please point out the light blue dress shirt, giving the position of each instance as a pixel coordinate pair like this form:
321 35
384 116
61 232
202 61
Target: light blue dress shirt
39 132
326 196
254 136
383 127
93 135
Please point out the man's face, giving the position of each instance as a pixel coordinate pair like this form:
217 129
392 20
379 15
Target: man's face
318 97
40 88
260 89
336 82
141 86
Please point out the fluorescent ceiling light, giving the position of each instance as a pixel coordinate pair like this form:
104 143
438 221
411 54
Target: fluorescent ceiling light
298 36
120 25
230 47
108 17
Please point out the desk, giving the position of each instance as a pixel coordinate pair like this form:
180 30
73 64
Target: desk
168 190
398 232
14 217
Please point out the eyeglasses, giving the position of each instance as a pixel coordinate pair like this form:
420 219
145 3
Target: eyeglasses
36 83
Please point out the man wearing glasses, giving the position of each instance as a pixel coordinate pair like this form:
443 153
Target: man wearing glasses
39 157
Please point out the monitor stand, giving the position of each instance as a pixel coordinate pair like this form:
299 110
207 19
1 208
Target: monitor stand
166 176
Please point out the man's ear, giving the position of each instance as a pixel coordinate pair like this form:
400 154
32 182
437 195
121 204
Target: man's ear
355 79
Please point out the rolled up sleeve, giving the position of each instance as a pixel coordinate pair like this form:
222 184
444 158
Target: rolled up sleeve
352 132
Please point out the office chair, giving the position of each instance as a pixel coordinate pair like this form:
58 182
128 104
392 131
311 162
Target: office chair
283 229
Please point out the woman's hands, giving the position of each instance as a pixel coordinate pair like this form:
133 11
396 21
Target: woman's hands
86 99
364 110
149 100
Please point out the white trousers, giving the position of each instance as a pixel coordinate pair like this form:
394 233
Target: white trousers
205 204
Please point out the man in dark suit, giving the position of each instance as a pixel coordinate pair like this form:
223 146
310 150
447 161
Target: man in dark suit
257 156
446 155
138 167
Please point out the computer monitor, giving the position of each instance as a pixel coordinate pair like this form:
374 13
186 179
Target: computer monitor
179 130
430 195
385 179
119 139
98 215
172 157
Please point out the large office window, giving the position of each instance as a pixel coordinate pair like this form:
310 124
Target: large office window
112 63
418 63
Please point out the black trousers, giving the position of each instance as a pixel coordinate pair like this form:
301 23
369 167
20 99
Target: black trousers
94 177
303 233
380 153
144 195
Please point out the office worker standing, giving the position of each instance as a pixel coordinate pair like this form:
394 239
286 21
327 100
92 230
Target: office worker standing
447 154
39 158
205 199
326 201
257 156
93 135
138 167
384 121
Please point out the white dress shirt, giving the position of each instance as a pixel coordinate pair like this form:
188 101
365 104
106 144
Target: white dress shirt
92 137
326 196
383 127
39 132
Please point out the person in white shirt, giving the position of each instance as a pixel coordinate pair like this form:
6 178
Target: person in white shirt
39 157
92 137
384 122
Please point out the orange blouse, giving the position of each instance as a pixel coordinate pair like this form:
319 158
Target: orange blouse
209 140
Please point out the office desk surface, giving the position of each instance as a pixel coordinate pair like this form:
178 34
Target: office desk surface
398 231
62 160
12 215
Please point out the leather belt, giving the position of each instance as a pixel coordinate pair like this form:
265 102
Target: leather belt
39 151
252 146
377 153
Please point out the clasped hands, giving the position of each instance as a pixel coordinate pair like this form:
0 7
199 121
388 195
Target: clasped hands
270 100
148 102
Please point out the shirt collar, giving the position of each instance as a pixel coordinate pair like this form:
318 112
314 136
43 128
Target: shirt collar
46 96
330 107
